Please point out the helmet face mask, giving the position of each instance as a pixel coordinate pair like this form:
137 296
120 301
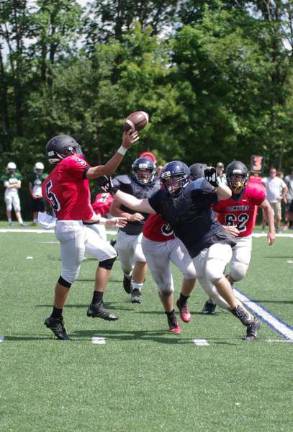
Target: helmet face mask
11 167
143 170
174 177
237 175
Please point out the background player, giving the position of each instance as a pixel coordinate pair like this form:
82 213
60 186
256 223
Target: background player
12 183
142 183
35 188
238 214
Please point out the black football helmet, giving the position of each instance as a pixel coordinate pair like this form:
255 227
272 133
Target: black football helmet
174 176
61 146
237 176
143 170
197 170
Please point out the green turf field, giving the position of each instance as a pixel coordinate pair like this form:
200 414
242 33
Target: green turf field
142 379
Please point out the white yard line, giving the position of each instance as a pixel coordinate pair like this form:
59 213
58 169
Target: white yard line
273 322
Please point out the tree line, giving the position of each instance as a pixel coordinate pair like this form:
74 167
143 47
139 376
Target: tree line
215 76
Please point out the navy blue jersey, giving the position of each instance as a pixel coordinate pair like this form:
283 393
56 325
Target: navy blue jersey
130 185
191 216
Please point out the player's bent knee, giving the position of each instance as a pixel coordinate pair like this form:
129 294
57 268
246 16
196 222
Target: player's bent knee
164 294
64 283
108 263
238 271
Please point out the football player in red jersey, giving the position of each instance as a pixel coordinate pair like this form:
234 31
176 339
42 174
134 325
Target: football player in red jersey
67 191
238 215
161 247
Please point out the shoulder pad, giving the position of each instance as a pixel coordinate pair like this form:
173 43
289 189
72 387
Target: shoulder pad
122 180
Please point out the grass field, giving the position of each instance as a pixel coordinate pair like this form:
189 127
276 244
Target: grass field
142 379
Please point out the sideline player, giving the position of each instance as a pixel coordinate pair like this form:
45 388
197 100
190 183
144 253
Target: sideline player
12 184
187 207
35 188
67 191
238 215
142 183
161 247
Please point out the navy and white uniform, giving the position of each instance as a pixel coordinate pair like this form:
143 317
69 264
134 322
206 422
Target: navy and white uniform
129 238
194 223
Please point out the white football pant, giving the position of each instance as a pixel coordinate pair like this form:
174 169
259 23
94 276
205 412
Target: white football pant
12 201
159 255
129 250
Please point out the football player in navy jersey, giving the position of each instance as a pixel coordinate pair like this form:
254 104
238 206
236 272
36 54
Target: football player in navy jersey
142 183
186 205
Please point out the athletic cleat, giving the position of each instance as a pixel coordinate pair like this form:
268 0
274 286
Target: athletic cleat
175 330
251 330
57 327
127 284
208 308
184 312
136 296
97 310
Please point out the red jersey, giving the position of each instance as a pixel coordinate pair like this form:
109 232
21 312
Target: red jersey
102 203
157 229
67 190
242 212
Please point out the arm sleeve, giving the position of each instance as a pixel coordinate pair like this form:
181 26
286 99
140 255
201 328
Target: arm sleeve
76 166
155 200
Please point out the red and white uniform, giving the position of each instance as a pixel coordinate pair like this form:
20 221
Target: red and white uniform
67 191
160 248
101 206
242 214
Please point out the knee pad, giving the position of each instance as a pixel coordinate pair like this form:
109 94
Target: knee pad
64 282
238 271
108 263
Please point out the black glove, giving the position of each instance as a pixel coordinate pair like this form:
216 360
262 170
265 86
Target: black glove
106 185
210 175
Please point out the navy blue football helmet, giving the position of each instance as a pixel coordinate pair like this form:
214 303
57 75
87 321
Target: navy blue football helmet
143 170
174 176
237 176
61 146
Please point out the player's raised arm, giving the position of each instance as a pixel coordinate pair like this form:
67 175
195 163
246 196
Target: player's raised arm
129 138
222 190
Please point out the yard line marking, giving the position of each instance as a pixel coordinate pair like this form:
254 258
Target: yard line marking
200 342
29 257
290 262
273 322
1 339
98 340
38 231
279 341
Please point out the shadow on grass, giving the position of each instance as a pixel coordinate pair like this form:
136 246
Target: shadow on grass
110 305
25 338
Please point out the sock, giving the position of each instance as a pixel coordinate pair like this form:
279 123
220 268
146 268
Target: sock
97 297
171 317
183 299
135 285
56 313
243 315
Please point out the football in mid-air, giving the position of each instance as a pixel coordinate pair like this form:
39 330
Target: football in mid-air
136 120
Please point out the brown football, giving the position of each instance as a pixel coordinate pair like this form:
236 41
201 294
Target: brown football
136 120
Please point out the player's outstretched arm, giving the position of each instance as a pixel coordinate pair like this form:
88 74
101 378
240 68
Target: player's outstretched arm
269 214
128 139
140 205
223 192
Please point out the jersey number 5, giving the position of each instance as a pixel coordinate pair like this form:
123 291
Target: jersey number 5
52 197
238 221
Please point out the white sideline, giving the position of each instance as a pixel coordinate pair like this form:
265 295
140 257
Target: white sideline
274 323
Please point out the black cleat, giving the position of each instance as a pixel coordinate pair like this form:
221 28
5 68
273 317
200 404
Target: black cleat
136 296
57 327
127 284
208 308
97 310
251 330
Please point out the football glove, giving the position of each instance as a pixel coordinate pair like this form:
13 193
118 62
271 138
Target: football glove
210 175
106 185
